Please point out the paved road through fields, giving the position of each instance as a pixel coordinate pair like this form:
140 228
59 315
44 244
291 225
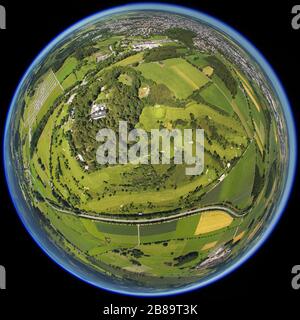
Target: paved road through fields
176 216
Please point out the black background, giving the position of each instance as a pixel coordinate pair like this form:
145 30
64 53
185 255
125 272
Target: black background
36 286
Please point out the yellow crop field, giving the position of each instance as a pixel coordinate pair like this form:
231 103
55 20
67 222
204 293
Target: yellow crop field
251 96
238 237
209 245
243 79
212 221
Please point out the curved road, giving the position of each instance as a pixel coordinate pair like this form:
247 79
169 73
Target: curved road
153 220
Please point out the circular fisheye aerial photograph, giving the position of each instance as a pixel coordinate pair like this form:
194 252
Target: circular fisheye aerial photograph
149 150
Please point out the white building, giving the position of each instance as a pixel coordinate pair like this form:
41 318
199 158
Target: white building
222 177
98 111
102 56
145 45
80 157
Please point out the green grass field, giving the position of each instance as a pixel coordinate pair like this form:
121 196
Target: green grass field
198 60
69 81
237 185
130 60
214 96
67 68
177 74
